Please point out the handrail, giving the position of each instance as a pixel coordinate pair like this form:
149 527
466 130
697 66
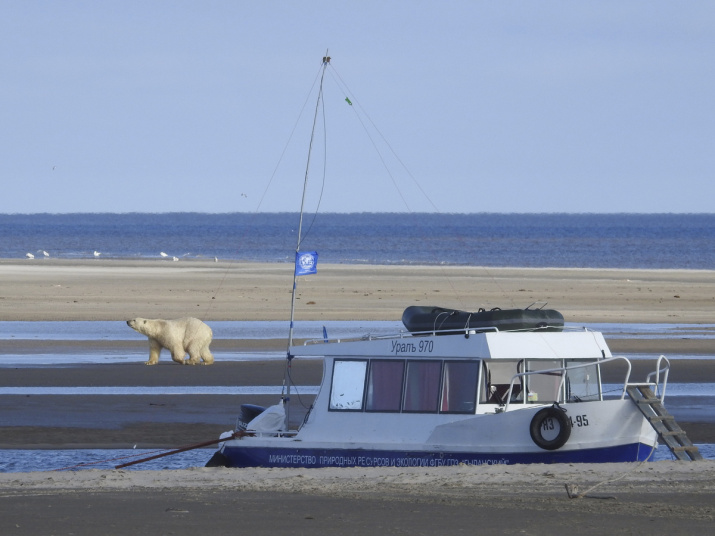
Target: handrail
563 376
451 331
656 373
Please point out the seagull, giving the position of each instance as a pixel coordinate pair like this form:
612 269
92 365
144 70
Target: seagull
29 255
45 253
175 258
163 254
97 253
215 259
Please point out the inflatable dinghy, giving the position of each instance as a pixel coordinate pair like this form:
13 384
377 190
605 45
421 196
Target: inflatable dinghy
418 318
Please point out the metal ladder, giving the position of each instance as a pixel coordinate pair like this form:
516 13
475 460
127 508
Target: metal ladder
663 422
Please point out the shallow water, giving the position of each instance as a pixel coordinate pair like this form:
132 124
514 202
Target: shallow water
118 331
21 461
157 390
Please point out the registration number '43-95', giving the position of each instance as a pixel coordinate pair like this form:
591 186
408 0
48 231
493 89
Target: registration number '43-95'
578 421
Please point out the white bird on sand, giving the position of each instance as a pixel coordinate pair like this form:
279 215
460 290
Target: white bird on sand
97 253
45 253
215 259
175 258
29 255
163 254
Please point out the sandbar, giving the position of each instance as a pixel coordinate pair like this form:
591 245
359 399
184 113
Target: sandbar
109 289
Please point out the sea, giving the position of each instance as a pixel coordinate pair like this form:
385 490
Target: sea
651 241
620 241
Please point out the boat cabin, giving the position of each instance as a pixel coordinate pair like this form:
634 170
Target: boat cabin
472 374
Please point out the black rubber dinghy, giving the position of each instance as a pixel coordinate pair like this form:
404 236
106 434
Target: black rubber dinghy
429 318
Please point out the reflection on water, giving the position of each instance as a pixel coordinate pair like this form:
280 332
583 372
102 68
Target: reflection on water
118 330
101 331
113 357
22 461
157 390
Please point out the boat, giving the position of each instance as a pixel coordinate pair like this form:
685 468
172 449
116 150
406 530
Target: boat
456 388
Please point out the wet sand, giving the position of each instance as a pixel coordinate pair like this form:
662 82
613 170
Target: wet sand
654 498
675 497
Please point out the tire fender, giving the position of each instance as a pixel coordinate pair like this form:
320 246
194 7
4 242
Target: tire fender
549 418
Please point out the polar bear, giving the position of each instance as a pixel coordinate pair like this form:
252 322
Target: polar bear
178 336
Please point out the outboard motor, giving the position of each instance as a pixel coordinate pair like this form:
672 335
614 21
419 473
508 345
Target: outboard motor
247 414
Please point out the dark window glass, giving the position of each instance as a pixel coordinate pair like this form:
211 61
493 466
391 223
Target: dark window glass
384 388
459 387
422 386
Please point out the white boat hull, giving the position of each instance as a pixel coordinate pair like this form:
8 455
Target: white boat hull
606 431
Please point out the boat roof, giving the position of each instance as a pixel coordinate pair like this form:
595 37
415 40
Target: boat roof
582 344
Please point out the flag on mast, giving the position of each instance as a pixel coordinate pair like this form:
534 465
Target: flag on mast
306 262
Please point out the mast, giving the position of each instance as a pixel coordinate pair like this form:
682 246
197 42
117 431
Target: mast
326 61
289 357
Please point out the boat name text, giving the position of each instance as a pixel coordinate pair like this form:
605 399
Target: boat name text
421 347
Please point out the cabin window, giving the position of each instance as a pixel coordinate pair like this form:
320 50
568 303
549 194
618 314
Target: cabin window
422 386
459 387
384 386
348 385
582 383
499 376
544 387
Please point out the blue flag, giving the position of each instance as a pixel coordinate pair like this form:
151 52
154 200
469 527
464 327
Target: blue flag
306 262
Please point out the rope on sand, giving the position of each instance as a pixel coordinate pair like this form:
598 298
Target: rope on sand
572 489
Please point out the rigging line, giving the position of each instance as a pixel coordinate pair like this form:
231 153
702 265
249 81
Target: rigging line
290 137
379 154
325 165
272 177
342 83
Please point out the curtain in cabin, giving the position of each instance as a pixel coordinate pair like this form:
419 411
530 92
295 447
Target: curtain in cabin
384 392
422 386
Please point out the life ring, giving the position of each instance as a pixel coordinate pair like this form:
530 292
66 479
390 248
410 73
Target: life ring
544 425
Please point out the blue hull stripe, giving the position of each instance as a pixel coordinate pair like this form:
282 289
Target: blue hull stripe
286 457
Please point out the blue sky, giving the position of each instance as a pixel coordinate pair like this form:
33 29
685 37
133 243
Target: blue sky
509 106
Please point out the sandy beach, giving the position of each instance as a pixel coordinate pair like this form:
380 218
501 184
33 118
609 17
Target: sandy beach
99 289
665 496
655 498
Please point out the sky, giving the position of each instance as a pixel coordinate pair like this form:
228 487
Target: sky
457 106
